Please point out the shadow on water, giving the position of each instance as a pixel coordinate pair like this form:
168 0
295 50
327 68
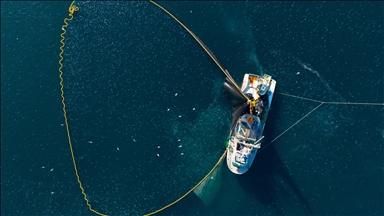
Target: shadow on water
268 178
189 205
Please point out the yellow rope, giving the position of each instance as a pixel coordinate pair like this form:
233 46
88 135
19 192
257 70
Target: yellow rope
205 177
234 83
204 47
71 10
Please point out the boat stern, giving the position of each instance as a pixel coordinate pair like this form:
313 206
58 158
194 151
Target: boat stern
238 162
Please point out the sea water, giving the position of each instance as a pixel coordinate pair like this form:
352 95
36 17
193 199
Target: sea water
148 118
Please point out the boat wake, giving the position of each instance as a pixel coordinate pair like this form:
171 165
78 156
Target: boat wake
308 68
242 28
253 58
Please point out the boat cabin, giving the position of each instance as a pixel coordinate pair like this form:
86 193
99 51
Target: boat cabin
247 127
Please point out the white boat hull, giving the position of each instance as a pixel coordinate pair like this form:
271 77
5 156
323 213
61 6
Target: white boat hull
246 134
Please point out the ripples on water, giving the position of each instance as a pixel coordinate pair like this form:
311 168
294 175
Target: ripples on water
136 77
149 101
139 146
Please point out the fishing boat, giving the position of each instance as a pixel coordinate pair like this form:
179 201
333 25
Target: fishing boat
248 124
251 104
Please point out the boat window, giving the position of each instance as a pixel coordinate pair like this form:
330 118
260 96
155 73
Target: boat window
241 158
244 124
237 127
254 126
239 146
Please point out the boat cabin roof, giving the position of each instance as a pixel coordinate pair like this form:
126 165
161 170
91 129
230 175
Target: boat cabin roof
246 128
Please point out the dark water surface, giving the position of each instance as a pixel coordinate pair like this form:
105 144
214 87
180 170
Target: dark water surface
148 118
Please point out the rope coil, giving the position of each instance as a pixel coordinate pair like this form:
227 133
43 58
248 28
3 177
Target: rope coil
72 9
206 49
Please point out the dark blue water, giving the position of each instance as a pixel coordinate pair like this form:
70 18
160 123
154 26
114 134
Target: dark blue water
148 118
